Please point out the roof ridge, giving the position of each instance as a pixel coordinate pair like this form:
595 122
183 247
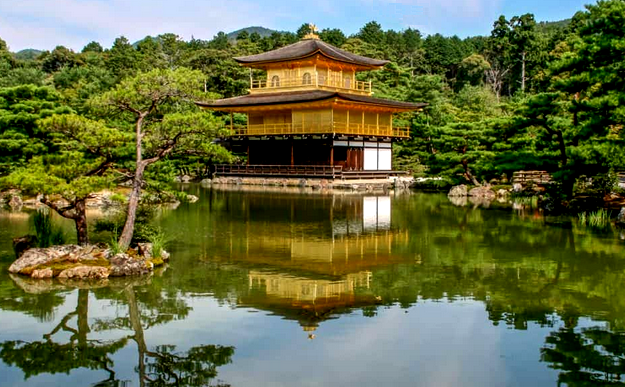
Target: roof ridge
305 48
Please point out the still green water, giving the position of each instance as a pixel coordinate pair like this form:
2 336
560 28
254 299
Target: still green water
286 289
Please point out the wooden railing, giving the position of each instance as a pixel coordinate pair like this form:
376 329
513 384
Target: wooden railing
311 82
532 177
321 127
329 171
308 171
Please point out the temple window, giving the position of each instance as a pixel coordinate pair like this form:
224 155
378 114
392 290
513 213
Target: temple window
275 81
306 79
348 83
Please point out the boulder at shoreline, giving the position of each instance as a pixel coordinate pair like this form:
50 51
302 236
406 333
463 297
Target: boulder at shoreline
85 262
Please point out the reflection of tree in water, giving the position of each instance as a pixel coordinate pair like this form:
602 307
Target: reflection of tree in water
165 367
48 356
590 357
161 366
38 305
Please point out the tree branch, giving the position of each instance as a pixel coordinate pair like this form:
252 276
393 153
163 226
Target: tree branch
66 212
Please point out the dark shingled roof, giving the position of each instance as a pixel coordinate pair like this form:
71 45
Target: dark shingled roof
304 96
305 48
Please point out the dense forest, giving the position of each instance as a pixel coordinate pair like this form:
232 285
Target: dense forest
531 95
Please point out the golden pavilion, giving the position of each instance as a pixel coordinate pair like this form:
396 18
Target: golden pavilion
311 116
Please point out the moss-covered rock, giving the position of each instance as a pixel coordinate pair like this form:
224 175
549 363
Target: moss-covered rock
84 262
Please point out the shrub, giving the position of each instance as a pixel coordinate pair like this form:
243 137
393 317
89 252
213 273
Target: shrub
143 224
119 198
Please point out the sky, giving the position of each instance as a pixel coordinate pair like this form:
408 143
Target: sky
44 24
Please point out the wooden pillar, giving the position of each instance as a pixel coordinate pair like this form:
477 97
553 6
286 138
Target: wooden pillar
347 126
377 123
331 154
231 123
363 120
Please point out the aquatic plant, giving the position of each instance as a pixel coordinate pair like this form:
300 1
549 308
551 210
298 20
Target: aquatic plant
599 219
47 233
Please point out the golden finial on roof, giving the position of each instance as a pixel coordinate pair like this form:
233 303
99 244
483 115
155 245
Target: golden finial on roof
312 32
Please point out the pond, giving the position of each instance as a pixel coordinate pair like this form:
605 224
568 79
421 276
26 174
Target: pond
318 289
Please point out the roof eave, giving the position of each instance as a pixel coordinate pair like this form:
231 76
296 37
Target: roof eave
241 60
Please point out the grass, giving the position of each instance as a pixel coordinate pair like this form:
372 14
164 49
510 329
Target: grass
114 245
47 233
599 219
527 201
159 240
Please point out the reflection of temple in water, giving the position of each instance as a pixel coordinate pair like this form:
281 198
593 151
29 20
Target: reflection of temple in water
312 256
329 235
306 299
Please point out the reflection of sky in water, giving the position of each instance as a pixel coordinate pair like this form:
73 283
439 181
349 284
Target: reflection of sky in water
376 216
263 272
430 344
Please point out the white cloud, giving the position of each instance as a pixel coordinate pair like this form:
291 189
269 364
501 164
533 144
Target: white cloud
45 23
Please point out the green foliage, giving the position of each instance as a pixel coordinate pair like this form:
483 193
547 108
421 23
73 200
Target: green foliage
114 245
59 58
530 95
22 76
113 224
21 135
119 198
159 241
47 233
599 219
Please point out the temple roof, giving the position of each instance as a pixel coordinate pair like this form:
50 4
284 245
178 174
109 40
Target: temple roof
306 48
305 96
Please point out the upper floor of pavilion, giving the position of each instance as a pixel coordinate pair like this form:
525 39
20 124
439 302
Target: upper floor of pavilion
310 64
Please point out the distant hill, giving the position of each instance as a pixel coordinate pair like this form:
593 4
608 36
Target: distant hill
262 31
27 54
551 27
136 44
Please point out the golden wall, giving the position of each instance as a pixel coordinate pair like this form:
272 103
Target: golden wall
356 117
312 117
326 76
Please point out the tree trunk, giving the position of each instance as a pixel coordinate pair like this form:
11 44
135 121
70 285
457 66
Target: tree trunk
82 311
82 232
562 146
135 194
135 323
76 212
133 204
523 71
467 173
